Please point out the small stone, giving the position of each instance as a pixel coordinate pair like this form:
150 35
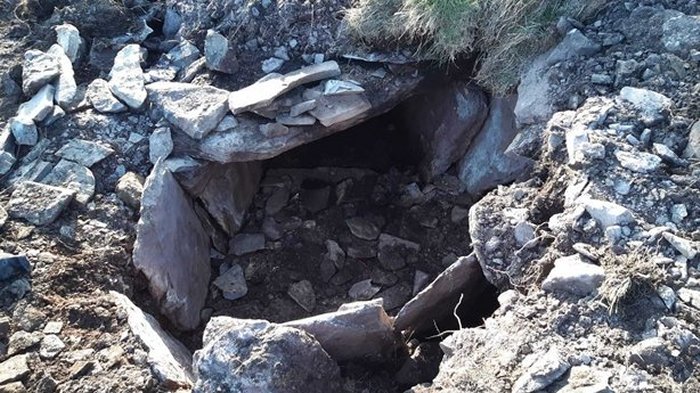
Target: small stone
130 188
7 160
66 88
601 79
126 77
524 233
14 387
73 176
51 346
272 64
638 162
4 328
12 266
232 283
394 252
692 150
14 369
184 54
667 295
652 105
68 37
363 290
548 367
38 69
335 253
219 56
667 154
651 352
102 99
277 201
608 213
297 121
303 293
302 108
227 123
281 52
571 274
39 106
685 247
53 327
271 229
335 87
678 213
37 203
160 144
690 296
246 243
24 130
22 341
458 214
84 152
363 228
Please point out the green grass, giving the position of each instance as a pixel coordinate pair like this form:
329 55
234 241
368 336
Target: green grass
505 34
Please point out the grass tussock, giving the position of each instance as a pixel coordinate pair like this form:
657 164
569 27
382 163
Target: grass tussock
629 278
504 34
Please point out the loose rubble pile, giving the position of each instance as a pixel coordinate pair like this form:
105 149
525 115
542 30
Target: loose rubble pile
179 204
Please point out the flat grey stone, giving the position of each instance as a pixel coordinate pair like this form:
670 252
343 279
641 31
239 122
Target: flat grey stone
102 99
608 213
84 152
263 93
196 110
183 55
38 69
681 34
572 275
548 367
40 204
302 107
272 64
394 252
684 246
301 120
574 44
303 293
363 290
227 123
232 283
334 87
172 249
7 160
246 243
73 176
363 228
170 361
652 105
639 161
692 150
126 77
14 369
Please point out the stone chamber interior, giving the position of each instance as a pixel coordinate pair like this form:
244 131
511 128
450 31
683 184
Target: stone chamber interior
343 219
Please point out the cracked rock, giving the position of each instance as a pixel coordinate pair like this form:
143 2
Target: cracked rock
84 152
74 177
38 69
571 274
126 77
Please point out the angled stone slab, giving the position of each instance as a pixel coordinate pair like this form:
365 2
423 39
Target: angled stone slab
84 152
196 110
38 69
73 176
264 92
438 299
66 88
172 249
170 361
126 77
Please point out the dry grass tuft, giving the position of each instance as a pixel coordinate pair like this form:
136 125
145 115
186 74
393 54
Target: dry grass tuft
504 34
629 278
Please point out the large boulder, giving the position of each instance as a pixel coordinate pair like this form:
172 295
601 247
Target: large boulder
445 121
257 356
172 249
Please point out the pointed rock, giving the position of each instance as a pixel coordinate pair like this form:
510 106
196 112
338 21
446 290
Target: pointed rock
126 78
172 249
38 203
73 176
38 69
